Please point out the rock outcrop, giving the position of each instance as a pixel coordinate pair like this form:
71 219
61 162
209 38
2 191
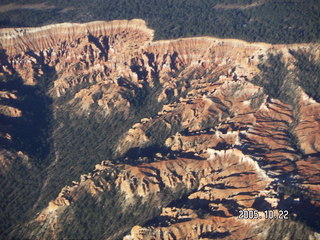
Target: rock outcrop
227 143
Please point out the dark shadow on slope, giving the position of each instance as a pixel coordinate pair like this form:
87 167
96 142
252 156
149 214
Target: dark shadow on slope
147 152
102 44
110 215
215 235
300 206
31 132
31 135
261 204
308 72
274 79
137 155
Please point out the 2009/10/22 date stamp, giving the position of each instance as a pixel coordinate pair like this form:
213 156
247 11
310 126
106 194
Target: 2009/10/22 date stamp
267 214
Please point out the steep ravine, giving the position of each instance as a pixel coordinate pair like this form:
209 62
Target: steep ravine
174 137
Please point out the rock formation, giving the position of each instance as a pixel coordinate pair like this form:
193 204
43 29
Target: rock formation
229 145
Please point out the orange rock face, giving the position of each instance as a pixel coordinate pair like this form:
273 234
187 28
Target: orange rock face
228 144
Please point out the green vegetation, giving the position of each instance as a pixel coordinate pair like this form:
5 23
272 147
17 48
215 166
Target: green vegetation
31 135
79 142
272 21
159 131
276 79
308 72
288 229
279 82
19 191
110 215
105 217
256 100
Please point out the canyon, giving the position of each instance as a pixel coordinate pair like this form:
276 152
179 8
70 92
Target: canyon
185 133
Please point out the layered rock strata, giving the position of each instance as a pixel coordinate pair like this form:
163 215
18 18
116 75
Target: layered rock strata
230 144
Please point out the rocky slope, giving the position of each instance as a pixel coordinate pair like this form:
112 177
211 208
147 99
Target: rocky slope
202 138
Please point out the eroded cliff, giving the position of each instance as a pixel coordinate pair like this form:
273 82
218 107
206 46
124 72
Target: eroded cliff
202 136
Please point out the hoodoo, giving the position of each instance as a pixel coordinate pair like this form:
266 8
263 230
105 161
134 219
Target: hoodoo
195 130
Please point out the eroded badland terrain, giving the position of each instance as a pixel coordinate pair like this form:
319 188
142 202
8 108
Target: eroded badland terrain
108 134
